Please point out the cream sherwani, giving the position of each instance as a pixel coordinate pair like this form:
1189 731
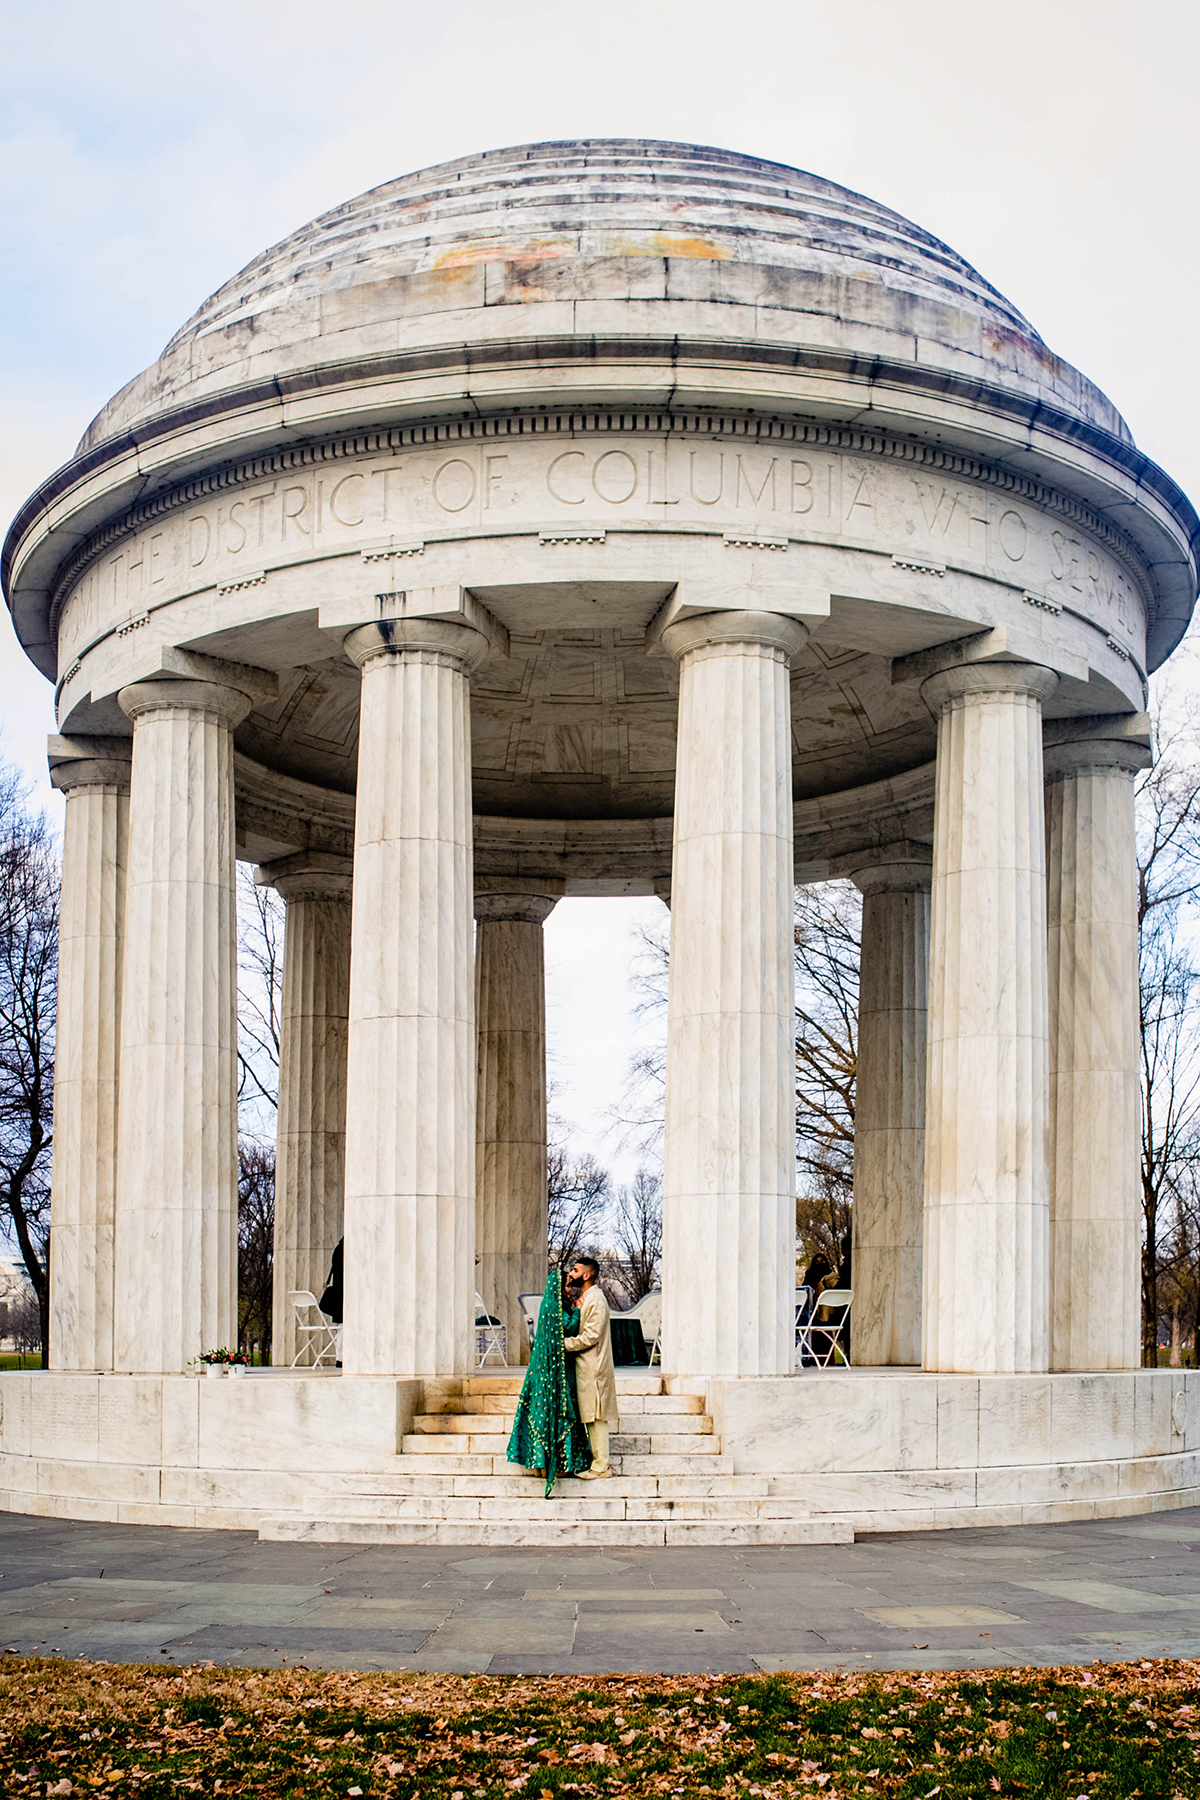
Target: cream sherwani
595 1379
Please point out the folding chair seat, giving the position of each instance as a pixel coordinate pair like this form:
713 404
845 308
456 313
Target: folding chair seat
819 1342
315 1330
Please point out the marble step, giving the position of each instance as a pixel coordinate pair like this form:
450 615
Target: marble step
428 1442
459 1461
689 1424
592 1500
589 1500
508 1381
513 1486
635 1406
553 1532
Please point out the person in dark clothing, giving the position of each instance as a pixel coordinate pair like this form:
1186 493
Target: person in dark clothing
816 1275
835 1316
330 1302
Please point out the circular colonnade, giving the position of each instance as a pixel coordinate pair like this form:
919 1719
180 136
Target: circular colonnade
605 518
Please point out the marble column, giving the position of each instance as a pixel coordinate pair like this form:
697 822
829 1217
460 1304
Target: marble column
410 1112
510 1136
729 1218
889 1119
986 1274
310 1152
95 784
176 1211
1095 1097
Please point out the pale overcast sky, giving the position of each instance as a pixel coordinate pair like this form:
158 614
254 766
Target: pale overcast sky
148 151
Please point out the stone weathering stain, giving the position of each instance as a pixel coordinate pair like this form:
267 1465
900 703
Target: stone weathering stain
585 518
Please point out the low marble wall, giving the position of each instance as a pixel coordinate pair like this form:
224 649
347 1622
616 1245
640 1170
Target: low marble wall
898 1449
176 1450
880 1449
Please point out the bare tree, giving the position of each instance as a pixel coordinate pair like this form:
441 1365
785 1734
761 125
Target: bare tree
256 1241
1169 981
828 928
638 1233
260 997
23 1325
828 922
577 1195
29 901
640 1108
261 924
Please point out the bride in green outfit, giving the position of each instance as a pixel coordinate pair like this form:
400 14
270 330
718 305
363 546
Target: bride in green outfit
548 1435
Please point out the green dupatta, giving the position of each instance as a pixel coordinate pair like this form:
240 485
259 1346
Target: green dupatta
547 1433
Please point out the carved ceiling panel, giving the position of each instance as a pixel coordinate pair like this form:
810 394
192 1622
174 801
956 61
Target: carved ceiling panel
581 724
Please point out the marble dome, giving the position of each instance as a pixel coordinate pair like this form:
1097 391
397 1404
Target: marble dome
557 223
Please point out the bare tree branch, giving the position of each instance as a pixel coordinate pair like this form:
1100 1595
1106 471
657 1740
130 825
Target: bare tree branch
29 900
638 1233
260 999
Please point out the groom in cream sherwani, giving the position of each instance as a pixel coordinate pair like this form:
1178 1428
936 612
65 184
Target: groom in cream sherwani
595 1379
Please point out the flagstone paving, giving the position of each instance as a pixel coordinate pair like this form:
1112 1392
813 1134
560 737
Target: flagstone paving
1115 1590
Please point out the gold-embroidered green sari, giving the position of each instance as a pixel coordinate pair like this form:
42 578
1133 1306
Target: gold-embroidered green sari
547 1432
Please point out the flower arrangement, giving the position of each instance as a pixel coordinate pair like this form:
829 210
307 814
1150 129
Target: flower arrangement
232 1358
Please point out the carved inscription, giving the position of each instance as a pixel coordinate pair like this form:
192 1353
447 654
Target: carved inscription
392 505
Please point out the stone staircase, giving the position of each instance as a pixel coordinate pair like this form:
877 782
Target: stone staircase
452 1483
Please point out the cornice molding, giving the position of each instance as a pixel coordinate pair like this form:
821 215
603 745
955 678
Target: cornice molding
724 425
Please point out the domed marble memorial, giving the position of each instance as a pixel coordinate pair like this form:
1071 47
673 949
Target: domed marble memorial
602 518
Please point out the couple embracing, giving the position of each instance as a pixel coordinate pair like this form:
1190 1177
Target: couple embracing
568 1399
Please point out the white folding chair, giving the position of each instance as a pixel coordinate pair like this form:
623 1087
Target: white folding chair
803 1308
308 1330
818 1343
648 1313
530 1305
490 1336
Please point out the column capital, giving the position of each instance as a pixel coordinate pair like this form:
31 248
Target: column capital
516 899
78 762
767 629
901 867
1101 741
308 875
459 643
969 679
226 704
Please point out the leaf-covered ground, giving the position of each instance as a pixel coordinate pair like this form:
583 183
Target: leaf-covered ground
116 1730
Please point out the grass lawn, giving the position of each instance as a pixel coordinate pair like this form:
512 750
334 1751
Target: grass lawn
104 1729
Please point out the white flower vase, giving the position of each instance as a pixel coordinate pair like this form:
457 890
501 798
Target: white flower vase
214 1371
238 1371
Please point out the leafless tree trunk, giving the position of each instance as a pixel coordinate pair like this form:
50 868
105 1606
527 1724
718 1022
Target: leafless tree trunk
29 899
261 921
1169 983
828 928
260 995
828 923
256 1242
638 1233
639 1110
577 1194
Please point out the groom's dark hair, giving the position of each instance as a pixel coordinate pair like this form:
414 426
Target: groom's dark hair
589 1262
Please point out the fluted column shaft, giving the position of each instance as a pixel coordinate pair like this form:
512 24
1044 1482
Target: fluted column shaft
310 1149
985 1304
410 1114
87 1055
1095 1290
176 1214
510 1138
729 1179
889 1117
